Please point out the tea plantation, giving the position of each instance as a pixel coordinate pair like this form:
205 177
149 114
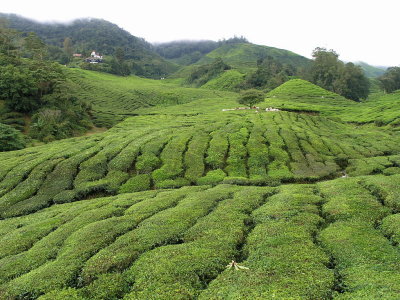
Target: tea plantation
304 200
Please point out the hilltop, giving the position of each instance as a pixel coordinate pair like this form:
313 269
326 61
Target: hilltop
301 95
246 55
99 35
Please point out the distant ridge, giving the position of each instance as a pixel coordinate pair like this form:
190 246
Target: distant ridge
99 35
246 55
371 71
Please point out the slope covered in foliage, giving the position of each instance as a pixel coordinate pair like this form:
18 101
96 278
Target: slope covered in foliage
157 206
98 35
301 95
371 71
185 52
245 55
113 98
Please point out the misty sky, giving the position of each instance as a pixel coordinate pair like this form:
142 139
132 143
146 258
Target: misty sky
357 30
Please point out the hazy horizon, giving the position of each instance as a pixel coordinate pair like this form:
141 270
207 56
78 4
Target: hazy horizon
357 31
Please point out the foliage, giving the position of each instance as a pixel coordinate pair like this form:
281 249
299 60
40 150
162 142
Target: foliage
371 71
185 52
19 87
250 97
63 116
202 74
330 73
270 74
10 138
8 39
35 47
352 84
244 56
390 81
41 89
99 35
226 81
326 68
85 217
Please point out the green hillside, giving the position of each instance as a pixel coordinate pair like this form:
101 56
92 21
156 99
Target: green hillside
371 71
185 52
186 197
245 55
113 98
227 81
301 95
98 35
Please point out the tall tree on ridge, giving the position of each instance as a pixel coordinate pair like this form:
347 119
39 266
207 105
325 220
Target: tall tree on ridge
68 48
35 46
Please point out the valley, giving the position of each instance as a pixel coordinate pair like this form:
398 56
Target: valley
159 185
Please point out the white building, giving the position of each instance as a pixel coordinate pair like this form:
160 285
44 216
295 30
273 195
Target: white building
96 55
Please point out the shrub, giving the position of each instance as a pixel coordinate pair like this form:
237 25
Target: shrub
282 259
69 293
250 97
10 138
172 183
161 228
136 184
217 150
207 247
236 166
213 177
194 156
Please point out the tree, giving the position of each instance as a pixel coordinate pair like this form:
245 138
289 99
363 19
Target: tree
18 87
67 46
269 74
332 74
35 46
10 138
8 39
352 83
390 81
250 97
23 86
205 73
120 54
326 68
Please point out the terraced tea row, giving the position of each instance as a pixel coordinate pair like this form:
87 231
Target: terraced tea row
301 95
164 151
113 98
296 241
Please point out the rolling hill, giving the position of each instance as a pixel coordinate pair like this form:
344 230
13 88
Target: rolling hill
183 194
371 71
168 203
301 95
99 35
245 55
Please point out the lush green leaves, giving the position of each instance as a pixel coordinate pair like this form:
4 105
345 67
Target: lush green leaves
250 97
390 81
332 74
10 138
